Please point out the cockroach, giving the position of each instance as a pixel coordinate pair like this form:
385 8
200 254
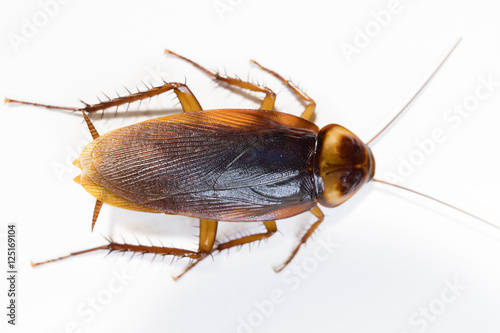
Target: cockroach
231 165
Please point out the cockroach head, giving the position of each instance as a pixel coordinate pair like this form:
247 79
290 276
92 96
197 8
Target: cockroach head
343 165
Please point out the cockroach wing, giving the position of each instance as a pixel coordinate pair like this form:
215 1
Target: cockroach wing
227 165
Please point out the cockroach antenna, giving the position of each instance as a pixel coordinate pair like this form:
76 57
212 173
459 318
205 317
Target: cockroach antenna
398 115
438 201
416 94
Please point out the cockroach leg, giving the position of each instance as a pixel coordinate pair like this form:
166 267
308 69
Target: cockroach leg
311 104
267 103
271 230
187 99
208 231
112 247
8 100
319 214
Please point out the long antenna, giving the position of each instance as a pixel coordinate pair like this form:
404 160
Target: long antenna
439 201
416 94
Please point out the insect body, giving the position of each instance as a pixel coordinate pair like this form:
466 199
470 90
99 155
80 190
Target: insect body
229 165
226 165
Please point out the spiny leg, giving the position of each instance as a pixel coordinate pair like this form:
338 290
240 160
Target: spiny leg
319 214
311 104
271 229
186 98
208 231
113 246
267 103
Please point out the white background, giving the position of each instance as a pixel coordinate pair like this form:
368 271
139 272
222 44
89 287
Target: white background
393 252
